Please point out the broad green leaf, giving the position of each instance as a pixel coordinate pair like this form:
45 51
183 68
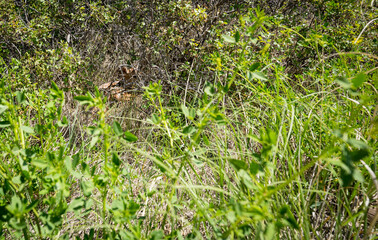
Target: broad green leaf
357 175
68 163
4 124
63 123
75 160
87 187
16 207
237 36
189 130
56 92
20 96
358 80
254 168
192 113
155 118
185 110
205 140
157 235
117 128
357 143
259 75
76 204
270 231
118 205
40 163
17 179
238 164
228 39
32 205
209 89
343 82
27 129
115 159
128 136
3 108
254 66
87 99
93 141
286 214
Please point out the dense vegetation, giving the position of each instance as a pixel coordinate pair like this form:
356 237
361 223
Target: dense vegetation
248 119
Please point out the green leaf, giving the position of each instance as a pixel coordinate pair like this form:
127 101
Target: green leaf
76 204
270 231
357 143
286 214
40 163
117 128
75 160
358 80
238 164
237 36
3 108
189 130
93 141
83 98
128 136
155 118
4 124
27 129
115 159
185 110
157 235
17 179
209 89
206 140
87 187
63 123
254 168
68 163
20 96
56 92
343 82
16 207
254 66
228 39
259 75
349 171
32 205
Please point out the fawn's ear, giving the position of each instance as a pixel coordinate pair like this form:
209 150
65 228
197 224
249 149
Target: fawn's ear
127 71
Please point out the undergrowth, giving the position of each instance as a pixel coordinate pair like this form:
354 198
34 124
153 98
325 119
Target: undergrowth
250 151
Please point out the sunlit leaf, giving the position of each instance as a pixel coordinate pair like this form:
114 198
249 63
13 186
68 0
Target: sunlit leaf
4 124
27 129
259 75
238 164
358 80
117 128
128 136
189 130
155 118
87 187
3 108
41 163
228 39
343 82
185 110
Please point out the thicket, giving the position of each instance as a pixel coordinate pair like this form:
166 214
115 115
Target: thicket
250 120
